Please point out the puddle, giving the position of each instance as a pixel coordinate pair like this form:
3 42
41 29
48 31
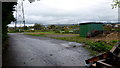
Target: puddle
71 44
74 43
65 44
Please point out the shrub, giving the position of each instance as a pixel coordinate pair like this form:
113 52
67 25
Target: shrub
114 41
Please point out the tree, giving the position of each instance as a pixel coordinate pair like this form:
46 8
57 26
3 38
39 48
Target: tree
30 26
38 26
116 3
26 28
58 27
52 26
7 17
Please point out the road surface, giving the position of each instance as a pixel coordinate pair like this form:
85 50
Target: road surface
26 50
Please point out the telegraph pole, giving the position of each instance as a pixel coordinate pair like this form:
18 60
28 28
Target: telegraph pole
20 18
23 15
16 18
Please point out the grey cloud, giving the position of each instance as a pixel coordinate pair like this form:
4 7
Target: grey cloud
44 14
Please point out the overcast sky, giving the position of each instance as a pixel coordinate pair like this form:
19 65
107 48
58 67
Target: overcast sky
69 11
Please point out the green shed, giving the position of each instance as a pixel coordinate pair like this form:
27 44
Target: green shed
90 29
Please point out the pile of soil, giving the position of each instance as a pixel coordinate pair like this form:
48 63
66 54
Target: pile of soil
107 36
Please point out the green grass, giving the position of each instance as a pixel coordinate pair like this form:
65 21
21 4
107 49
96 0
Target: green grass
47 32
92 52
41 35
74 39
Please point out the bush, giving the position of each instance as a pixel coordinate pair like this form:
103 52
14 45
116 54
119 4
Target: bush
114 41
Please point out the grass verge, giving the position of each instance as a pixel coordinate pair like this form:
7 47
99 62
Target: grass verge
41 35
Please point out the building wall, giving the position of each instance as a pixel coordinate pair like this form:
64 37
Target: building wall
88 28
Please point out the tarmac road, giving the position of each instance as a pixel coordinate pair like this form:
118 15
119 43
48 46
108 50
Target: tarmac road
25 50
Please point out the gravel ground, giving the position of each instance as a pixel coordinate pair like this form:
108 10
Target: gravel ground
26 50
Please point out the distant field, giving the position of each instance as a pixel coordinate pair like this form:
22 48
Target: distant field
50 34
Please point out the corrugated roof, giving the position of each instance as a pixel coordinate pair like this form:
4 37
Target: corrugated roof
91 23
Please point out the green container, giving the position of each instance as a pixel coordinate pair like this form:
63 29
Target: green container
87 28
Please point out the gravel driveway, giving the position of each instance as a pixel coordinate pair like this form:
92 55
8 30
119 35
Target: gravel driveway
26 50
